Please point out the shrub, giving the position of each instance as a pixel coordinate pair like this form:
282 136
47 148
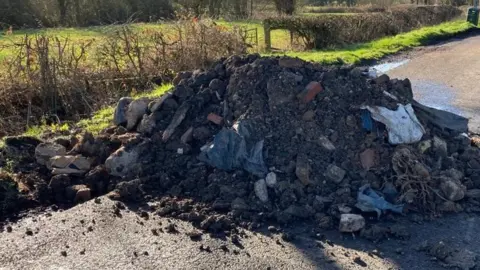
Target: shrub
330 30
65 80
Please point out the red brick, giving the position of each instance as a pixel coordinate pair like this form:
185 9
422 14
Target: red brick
311 91
215 118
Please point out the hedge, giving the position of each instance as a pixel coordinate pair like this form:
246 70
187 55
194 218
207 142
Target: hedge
328 31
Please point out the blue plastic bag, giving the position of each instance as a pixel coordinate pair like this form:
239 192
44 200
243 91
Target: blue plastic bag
368 200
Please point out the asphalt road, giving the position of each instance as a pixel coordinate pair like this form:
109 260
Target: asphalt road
446 77
91 236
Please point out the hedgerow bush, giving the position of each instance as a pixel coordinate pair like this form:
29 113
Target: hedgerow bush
329 30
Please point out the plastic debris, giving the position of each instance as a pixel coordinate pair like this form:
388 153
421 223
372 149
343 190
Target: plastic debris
367 121
229 151
441 119
402 124
368 200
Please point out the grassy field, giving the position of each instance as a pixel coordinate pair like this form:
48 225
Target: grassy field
280 39
379 48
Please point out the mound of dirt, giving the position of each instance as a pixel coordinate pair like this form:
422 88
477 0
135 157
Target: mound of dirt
256 140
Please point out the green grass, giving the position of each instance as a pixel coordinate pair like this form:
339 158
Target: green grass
104 117
377 49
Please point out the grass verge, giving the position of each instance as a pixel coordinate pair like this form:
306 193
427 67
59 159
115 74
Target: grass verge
374 50
100 119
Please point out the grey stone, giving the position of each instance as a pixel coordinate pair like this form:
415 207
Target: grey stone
119 117
261 191
271 179
147 124
335 173
121 162
135 111
239 204
351 223
452 190
45 151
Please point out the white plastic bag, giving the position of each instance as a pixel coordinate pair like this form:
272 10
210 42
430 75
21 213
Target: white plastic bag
402 124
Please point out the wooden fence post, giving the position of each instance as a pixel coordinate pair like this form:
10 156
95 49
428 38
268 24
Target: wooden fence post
266 30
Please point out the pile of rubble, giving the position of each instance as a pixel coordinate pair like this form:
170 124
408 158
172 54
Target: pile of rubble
256 140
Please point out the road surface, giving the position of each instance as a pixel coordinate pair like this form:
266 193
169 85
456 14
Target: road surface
447 77
91 236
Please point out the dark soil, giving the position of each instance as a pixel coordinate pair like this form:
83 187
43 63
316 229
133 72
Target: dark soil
269 96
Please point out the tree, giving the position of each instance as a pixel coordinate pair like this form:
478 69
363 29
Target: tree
285 6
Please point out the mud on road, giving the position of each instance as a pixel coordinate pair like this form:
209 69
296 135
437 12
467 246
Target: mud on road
253 143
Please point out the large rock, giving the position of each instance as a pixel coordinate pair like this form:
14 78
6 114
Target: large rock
157 104
122 161
119 117
351 223
452 189
135 112
261 190
147 125
78 162
45 151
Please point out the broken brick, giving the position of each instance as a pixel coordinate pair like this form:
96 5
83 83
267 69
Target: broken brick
214 118
311 91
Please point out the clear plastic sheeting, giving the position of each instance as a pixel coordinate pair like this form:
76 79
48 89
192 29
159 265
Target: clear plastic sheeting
229 150
402 125
368 200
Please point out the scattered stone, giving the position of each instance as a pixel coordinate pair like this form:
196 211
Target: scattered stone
83 195
302 170
45 151
156 105
187 136
147 124
326 143
335 173
440 147
121 162
288 237
176 121
119 117
9 229
136 109
351 223
69 164
308 115
195 235
452 189
29 232
382 79
64 253
367 158
261 190
360 262
240 204
271 179
272 229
